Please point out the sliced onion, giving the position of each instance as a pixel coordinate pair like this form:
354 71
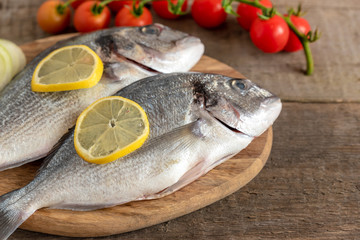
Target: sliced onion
6 71
12 61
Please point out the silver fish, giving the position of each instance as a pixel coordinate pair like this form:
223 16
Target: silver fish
31 123
197 121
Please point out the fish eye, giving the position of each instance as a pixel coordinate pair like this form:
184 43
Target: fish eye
238 84
152 30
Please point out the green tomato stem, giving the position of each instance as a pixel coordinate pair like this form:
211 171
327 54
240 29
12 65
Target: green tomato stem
67 3
176 8
309 58
104 3
302 37
304 41
96 9
60 9
138 11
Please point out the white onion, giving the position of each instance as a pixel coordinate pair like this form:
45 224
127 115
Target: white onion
12 61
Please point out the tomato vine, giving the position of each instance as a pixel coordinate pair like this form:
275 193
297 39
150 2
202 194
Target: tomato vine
305 39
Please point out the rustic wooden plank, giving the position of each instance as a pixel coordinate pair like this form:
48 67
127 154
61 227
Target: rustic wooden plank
309 189
18 20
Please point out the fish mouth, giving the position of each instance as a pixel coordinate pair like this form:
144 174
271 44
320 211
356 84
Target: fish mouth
143 66
184 54
256 123
229 127
187 46
189 40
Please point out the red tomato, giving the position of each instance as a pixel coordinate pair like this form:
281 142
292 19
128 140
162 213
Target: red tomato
208 13
294 43
49 18
247 13
126 18
85 20
75 4
270 35
161 8
115 6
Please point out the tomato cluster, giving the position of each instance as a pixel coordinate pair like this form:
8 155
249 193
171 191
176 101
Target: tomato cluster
54 16
271 34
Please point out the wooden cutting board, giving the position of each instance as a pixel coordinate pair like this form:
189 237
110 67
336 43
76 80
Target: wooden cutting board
215 185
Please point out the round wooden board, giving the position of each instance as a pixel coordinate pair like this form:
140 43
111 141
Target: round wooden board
215 185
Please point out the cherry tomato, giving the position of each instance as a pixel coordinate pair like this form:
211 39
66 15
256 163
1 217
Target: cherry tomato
85 20
247 13
294 43
270 35
161 8
126 18
50 19
115 6
75 4
208 13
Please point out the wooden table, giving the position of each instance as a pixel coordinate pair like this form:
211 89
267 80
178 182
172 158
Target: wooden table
310 186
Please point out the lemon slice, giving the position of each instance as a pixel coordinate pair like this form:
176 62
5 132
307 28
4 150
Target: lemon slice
110 128
68 68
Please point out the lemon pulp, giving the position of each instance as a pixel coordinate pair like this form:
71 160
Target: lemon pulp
109 129
68 68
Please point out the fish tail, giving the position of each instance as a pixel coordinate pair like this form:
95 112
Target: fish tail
13 212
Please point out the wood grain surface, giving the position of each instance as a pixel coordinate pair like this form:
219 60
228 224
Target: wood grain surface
215 185
310 186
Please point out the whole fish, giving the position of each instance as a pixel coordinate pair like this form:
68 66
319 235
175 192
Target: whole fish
31 123
197 121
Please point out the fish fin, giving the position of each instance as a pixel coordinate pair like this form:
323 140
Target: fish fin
184 137
11 214
183 141
190 176
194 173
52 152
179 135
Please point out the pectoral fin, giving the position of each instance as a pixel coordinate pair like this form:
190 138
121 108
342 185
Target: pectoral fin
191 175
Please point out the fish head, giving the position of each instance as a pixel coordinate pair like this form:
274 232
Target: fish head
239 104
155 46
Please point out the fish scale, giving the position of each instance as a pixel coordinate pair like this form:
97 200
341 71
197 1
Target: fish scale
188 142
31 123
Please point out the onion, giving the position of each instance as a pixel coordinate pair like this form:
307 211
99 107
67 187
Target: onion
12 61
